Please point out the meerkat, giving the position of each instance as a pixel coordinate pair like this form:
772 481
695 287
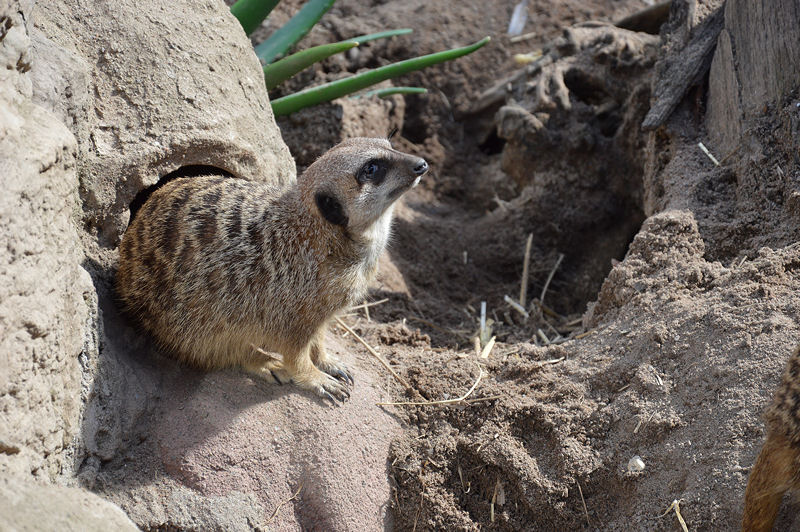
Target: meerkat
222 271
777 468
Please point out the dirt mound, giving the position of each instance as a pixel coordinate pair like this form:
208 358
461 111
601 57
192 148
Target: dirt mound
655 378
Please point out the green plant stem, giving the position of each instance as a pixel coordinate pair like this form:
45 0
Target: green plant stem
251 13
294 30
380 35
283 69
335 89
388 91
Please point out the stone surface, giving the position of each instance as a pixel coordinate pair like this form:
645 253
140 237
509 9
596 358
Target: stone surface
170 85
28 506
221 450
43 289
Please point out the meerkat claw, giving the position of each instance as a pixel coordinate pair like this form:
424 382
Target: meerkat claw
338 371
325 395
342 376
331 389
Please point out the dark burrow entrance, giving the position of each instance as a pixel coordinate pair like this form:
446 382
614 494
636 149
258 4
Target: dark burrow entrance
192 170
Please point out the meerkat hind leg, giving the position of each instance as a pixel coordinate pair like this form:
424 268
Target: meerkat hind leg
268 367
774 472
327 363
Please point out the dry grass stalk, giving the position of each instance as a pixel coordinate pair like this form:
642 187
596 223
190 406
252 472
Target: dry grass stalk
676 505
550 326
708 153
476 343
733 152
551 361
374 353
584 335
543 336
419 509
370 304
443 401
483 319
365 306
523 289
284 503
466 488
550 277
547 310
583 501
523 37
494 498
479 399
488 348
516 306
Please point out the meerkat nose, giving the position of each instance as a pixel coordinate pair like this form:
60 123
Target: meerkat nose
421 167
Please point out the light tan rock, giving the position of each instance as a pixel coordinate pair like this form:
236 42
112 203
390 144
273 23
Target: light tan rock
43 289
28 506
169 85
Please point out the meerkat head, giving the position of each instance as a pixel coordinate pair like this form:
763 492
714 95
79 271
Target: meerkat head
355 183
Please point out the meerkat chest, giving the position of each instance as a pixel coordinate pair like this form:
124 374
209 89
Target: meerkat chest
375 240
354 277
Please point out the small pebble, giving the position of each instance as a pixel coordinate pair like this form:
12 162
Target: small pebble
635 464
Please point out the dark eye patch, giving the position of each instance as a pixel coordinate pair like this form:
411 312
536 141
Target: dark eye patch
331 209
373 171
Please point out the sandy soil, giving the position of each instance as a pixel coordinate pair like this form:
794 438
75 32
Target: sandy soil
667 345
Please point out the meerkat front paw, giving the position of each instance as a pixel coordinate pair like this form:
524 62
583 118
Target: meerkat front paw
326 386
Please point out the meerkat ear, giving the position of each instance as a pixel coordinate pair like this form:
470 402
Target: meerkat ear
331 209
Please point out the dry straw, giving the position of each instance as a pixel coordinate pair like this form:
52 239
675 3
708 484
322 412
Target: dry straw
284 503
523 289
374 353
550 277
676 505
444 401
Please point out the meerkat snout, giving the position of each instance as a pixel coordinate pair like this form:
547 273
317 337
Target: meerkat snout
221 270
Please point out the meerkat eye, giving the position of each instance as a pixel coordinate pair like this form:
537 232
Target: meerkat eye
372 172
